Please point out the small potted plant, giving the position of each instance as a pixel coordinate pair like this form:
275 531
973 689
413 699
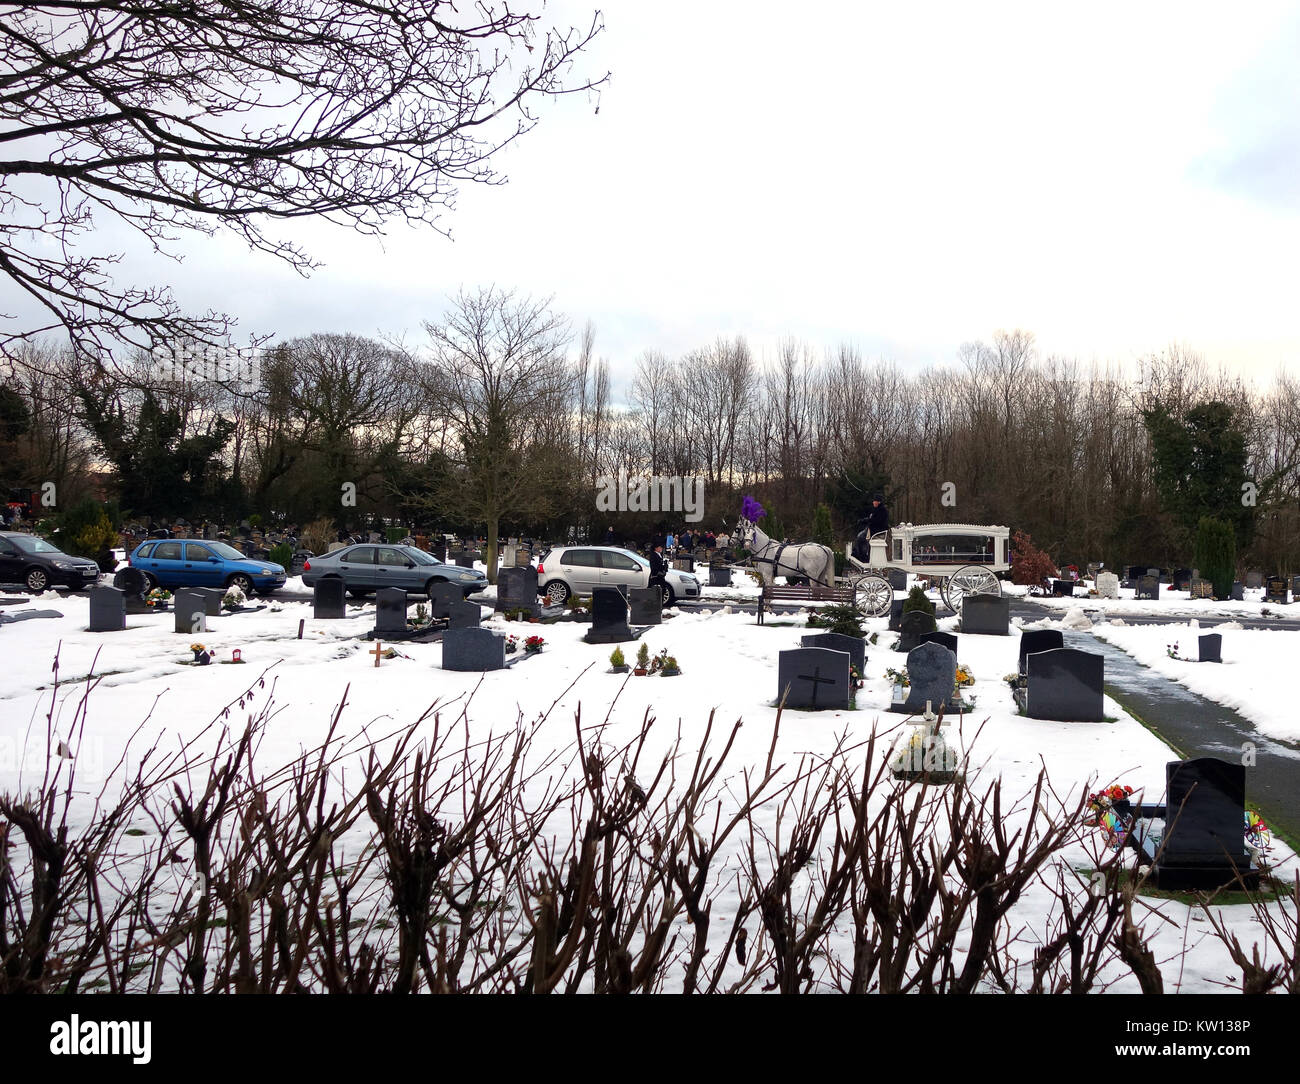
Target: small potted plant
421 617
617 662
233 599
158 598
533 645
642 661
669 667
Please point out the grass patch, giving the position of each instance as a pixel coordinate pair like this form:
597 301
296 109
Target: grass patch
1270 888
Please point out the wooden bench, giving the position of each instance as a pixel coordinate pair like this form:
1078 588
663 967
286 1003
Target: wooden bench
803 593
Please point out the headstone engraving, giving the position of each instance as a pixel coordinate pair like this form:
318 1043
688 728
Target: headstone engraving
1275 590
517 589
813 677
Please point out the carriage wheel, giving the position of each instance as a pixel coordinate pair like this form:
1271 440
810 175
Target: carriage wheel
873 595
970 580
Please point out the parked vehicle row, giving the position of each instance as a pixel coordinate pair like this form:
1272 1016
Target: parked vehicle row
37 564
365 569
578 570
176 563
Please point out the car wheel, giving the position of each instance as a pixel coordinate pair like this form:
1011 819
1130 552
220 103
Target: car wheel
358 592
557 592
37 580
150 582
668 595
244 583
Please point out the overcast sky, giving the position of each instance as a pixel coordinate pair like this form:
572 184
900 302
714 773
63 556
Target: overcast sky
905 177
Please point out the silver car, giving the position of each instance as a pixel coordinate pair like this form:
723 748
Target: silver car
364 569
577 570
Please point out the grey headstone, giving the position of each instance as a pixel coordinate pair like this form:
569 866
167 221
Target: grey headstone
1295 587
914 624
463 615
107 609
683 564
327 599
517 589
1254 579
646 605
987 615
1107 586
442 596
1148 588
837 641
463 559
944 639
897 578
608 618
1065 685
932 670
720 577
212 597
896 615
191 611
1211 647
1238 591
390 612
1036 640
473 649
813 677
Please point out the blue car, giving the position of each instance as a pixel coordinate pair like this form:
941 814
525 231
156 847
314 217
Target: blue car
185 563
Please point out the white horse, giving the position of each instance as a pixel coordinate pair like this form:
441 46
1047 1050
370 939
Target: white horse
810 560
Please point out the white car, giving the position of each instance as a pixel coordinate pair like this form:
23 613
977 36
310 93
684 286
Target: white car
578 570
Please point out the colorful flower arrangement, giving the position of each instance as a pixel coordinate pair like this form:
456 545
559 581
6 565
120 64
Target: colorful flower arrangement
512 644
1101 814
533 645
898 677
965 676
1258 836
159 596
1172 651
855 677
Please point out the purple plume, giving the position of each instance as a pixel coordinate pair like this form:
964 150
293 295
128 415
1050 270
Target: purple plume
751 510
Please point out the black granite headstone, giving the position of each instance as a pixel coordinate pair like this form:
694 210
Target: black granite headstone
1062 588
327 599
131 582
646 604
442 596
1148 589
837 641
897 578
463 559
390 613
1211 647
946 639
987 615
107 609
896 615
608 617
473 649
1065 685
463 615
517 589
1238 591
1275 590
720 577
813 677
1181 579
914 625
190 609
1035 640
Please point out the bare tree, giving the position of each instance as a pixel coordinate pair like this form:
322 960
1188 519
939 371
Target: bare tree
180 118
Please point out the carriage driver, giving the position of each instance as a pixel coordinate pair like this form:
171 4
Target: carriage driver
874 522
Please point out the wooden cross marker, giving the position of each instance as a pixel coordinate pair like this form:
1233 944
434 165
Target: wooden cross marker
379 648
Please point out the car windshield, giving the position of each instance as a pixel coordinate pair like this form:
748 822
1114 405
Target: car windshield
228 552
420 557
31 544
636 557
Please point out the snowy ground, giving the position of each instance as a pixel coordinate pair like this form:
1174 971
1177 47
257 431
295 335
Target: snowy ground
147 690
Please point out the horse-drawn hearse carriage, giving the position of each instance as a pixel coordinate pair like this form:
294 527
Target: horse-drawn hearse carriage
964 557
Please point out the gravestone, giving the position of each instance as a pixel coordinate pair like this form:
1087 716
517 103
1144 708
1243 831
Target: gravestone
327 599
932 671
190 608
1181 579
1254 579
813 677
508 554
1065 685
897 578
945 639
1295 587
131 582
517 589
1199 588
914 625
442 596
334 547
473 649
463 615
1275 590
1202 845
212 597
855 646
1148 589
683 564
646 604
523 557
1238 591
1211 647
463 559
896 615
107 609
719 576
390 612
439 551
986 615
608 618
1036 640
1107 585
1062 588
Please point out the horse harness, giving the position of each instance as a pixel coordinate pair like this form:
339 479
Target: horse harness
775 562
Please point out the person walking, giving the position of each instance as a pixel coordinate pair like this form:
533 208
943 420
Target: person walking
670 543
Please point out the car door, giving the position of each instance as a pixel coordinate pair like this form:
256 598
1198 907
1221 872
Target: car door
394 569
621 570
581 570
357 566
11 562
200 566
164 564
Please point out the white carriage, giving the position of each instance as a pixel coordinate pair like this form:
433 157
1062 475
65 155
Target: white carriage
965 557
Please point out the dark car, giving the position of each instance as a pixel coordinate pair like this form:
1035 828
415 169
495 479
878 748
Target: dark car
207 563
364 569
29 560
